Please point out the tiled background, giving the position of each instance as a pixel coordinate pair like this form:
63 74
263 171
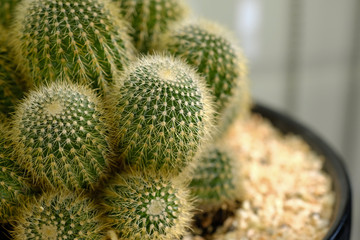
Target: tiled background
304 59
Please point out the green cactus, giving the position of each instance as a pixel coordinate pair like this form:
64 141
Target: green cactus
10 77
7 8
60 136
238 108
61 215
144 207
80 41
13 184
163 112
150 18
212 50
216 179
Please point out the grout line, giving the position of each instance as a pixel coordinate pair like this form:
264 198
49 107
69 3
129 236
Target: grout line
296 9
353 91
351 113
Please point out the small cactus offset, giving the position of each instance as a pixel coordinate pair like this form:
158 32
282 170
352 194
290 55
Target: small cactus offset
216 178
61 215
150 18
79 40
145 207
13 185
163 112
10 78
60 135
212 50
7 8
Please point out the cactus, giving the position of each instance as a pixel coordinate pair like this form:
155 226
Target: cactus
60 135
7 8
144 207
150 18
61 215
212 50
13 186
216 178
10 78
80 41
163 112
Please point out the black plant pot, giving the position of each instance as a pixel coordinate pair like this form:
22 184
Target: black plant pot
341 220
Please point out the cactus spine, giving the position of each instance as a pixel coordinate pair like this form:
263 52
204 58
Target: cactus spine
10 77
61 136
163 112
150 18
61 215
212 50
80 40
216 178
7 8
13 186
144 207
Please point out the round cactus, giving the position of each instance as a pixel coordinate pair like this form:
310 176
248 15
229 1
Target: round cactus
145 207
10 78
13 185
150 18
61 215
79 40
216 178
6 11
212 50
60 135
163 112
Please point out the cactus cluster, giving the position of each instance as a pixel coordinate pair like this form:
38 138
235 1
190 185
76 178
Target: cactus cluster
61 136
11 89
75 41
107 138
62 215
212 50
148 207
163 112
216 178
13 185
150 18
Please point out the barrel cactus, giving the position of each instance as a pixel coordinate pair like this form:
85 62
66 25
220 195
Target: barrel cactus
11 88
61 215
216 178
13 186
7 8
144 207
150 18
61 136
211 49
80 41
163 112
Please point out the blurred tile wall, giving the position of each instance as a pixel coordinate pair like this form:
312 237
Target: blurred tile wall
304 60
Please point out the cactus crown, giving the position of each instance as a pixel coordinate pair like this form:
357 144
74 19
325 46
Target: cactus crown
150 18
13 186
61 136
163 113
212 50
61 215
145 207
80 40
216 178
10 90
